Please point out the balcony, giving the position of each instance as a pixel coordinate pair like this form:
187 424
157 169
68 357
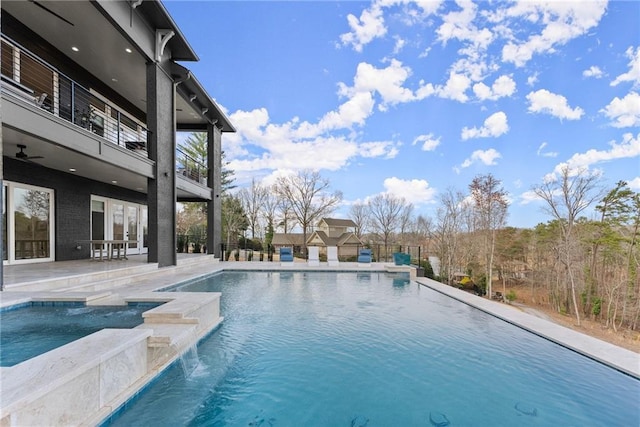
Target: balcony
29 78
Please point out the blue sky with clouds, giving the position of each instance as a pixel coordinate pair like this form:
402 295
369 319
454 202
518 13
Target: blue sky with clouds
412 98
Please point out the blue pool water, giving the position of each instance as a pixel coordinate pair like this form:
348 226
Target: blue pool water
347 349
33 330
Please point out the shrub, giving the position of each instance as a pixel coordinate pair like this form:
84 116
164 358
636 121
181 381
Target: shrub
511 296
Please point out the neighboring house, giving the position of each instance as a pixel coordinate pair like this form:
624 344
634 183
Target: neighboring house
92 98
329 232
288 240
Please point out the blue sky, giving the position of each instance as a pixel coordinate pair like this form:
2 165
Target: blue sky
412 98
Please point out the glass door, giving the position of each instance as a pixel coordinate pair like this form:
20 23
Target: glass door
27 221
127 224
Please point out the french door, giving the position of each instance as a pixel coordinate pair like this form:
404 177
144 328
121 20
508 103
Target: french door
119 220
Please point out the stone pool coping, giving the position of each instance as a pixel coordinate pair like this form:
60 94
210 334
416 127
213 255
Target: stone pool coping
618 358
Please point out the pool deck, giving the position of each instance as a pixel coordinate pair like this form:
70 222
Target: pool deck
184 319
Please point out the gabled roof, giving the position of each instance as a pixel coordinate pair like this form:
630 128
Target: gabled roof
345 239
336 222
287 239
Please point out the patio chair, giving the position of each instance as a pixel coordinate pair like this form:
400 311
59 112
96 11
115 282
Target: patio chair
364 257
314 256
332 255
286 255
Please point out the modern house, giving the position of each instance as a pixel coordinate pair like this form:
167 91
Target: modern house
329 232
92 99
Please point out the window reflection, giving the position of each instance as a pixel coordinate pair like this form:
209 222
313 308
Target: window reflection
32 223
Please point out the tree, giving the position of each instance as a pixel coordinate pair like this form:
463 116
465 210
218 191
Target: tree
490 209
386 213
447 231
253 200
234 219
307 195
566 198
359 214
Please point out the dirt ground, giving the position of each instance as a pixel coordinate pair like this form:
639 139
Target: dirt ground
537 306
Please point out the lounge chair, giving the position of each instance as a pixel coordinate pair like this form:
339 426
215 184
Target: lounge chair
286 255
314 256
332 255
364 257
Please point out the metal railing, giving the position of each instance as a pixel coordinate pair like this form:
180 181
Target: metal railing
28 77
190 168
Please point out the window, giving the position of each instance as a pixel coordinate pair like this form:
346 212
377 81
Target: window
28 223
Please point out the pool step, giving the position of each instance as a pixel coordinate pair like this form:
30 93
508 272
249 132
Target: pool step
114 278
70 282
151 277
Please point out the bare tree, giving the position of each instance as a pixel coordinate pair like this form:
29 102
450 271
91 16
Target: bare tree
359 214
308 197
567 197
447 231
253 200
386 215
490 209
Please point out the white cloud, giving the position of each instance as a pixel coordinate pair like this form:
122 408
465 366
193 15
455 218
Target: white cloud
628 148
528 197
388 82
428 141
560 22
542 153
455 87
533 79
415 191
634 184
502 86
487 157
594 72
386 149
400 42
624 112
369 26
543 101
633 75
459 25
494 126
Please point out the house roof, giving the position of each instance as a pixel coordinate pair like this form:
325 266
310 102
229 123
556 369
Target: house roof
344 239
336 222
287 239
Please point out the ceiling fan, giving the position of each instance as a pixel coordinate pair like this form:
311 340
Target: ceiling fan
21 155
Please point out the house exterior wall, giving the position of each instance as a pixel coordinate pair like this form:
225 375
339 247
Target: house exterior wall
72 202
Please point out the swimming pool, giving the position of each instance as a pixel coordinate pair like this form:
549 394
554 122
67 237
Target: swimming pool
34 329
325 349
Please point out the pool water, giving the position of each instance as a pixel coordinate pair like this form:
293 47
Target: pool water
33 330
371 349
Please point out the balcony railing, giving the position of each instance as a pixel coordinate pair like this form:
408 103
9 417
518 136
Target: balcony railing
26 76
190 168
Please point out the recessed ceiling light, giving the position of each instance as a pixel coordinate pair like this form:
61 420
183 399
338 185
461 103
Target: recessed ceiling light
72 169
75 49
128 50
114 182
114 80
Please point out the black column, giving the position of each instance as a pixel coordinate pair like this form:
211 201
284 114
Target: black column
161 146
214 207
